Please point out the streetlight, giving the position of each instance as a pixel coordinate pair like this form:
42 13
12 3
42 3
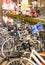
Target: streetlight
1 19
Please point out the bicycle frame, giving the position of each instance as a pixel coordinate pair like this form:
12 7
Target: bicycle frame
36 57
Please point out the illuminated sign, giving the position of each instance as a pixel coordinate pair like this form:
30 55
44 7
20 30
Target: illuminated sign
24 4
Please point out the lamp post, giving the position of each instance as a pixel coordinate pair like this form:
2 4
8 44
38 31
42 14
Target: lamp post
1 19
36 5
40 3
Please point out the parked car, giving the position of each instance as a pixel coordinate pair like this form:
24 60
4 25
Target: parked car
33 14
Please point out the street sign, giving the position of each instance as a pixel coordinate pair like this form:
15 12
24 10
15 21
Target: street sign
37 28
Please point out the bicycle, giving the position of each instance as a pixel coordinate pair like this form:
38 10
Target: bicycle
13 61
3 36
22 60
10 44
13 47
26 61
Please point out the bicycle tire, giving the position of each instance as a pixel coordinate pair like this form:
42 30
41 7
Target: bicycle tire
14 60
2 48
29 63
26 61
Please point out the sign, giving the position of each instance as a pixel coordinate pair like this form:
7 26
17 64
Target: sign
8 5
24 4
34 29
37 28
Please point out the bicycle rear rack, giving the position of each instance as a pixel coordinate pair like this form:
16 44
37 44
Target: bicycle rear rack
36 58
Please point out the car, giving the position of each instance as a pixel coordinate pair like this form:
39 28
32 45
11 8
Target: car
33 14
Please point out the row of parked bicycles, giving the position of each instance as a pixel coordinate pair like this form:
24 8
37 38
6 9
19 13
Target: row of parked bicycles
17 43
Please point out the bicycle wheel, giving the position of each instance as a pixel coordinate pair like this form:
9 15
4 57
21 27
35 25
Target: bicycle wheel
15 62
26 61
7 47
29 63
